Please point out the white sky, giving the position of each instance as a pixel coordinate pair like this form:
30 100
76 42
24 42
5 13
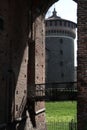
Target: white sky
66 9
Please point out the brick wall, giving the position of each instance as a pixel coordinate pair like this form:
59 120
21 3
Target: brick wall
82 65
37 71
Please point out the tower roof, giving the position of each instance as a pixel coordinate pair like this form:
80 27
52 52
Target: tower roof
54 15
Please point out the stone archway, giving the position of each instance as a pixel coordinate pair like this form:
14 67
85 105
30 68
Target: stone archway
82 68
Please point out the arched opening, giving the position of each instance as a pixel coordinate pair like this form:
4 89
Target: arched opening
61 58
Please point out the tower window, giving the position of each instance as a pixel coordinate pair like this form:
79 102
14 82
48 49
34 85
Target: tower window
62 75
55 23
54 31
48 31
50 23
51 31
72 25
61 40
65 23
60 23
61 63
68 24
61 52
57 31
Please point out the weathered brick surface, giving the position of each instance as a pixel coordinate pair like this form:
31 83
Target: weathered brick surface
39 51
82 65
39 65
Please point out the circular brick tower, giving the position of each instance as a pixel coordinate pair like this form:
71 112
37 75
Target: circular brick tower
60 35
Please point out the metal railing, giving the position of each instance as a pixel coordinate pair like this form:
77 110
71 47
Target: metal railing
53 91
62 125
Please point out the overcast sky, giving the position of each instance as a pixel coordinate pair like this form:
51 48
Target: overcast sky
66 9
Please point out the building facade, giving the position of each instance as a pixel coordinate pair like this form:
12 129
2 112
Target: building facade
60 35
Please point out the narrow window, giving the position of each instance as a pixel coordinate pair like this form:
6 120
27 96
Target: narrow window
62 75
61 63
50 23
55 23
65 23
61 52
61 40
68 24
60 23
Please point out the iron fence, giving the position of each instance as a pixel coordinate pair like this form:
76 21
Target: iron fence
62 125
53 91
